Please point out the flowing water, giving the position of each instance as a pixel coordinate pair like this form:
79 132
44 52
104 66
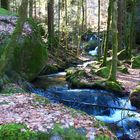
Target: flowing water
105 106
117 112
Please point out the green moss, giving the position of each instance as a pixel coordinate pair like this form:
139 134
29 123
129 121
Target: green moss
31 53
4 12
135 97
137 89
109 61
15 132
109 85
135 62
103 72
72 71
91 45
74 77
49 69
122 55
75 113
99 124
21 132
68 133
103 137
41 100
10 88
123 69
113 86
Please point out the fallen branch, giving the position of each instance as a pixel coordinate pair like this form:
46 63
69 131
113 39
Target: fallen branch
96 105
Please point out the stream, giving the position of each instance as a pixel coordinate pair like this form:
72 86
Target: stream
116 112
104 105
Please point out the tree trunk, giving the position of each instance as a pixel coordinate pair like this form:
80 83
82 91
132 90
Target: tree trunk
79 28
50 23
121 17
83 16
86 14
99 46
35 12
107 34
5 4
113 71
59 18
131 34
30 8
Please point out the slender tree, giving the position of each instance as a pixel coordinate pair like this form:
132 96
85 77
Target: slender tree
59 18
107 34
30 8
35 12
78 27
130 34
121 18
99 46
5 4
83 15
113 71
50 23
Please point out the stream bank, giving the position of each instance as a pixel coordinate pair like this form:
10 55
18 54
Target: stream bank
117 112
28 115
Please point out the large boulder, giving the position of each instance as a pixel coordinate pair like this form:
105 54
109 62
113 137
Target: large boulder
103 72
90 45
135 97
135 62
30 53
88 79
122 55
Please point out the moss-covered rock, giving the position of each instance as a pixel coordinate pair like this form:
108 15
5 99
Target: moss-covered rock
21 132
77 78
103 137
135 97
135 62
4 12
30 54
123 69
40 100
82 79
122 55
109 61
110 85
91 45
103 72
11 88
50 69
15 132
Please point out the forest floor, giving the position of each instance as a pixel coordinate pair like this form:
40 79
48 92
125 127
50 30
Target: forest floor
32 110
131 80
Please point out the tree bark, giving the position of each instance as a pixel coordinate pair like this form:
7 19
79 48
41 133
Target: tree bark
30 8
113 71
5 4
50 22
99 46
121 17
107 34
